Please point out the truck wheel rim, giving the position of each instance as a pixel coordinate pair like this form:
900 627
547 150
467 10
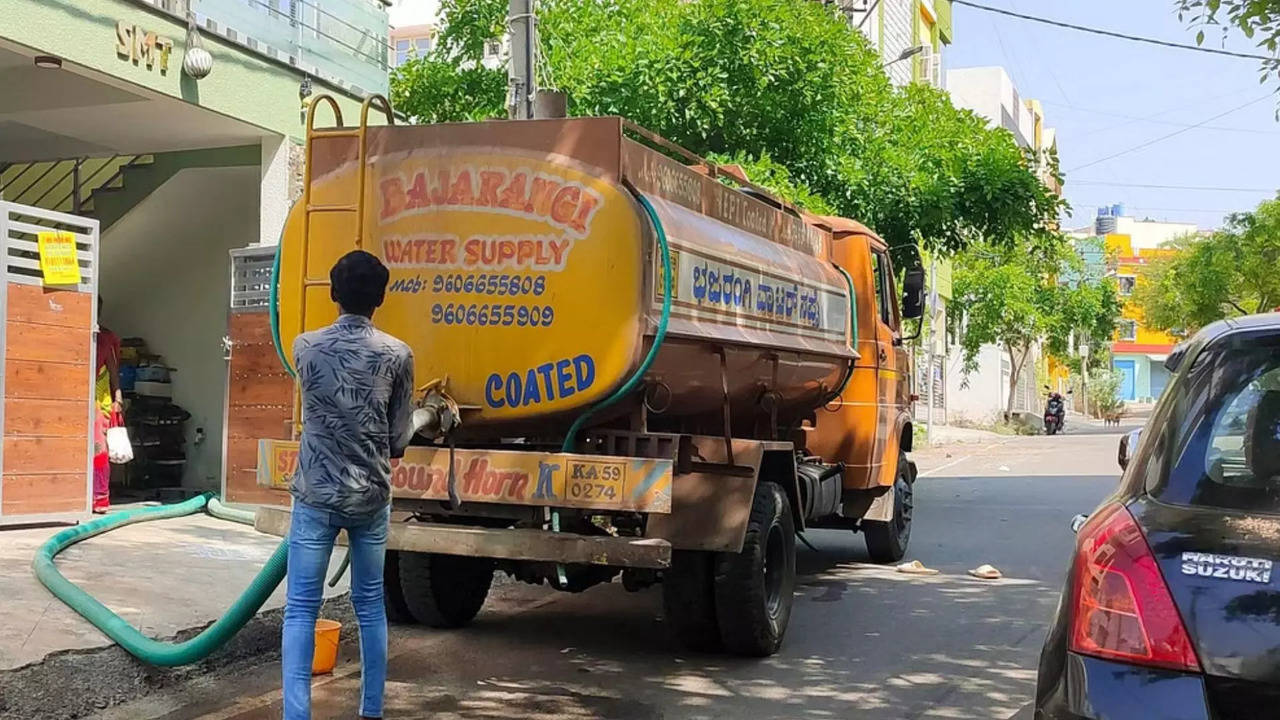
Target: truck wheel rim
774 570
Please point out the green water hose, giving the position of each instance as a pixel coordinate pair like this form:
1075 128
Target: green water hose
638 375
658 336
273 311
222 512
149 650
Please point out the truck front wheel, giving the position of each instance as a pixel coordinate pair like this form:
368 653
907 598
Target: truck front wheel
887 541
444 591
754 589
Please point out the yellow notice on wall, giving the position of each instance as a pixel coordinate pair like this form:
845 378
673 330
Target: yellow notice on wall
58 261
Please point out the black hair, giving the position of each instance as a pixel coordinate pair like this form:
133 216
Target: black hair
358 282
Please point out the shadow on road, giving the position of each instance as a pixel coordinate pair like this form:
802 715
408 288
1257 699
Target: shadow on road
610 656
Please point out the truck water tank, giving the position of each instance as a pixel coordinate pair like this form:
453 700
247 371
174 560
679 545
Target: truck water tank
525 271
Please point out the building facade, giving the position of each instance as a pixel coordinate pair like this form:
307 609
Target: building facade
169 145
1138 352
896 26
984 394
410 41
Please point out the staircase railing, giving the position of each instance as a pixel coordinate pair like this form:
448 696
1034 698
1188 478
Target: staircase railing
65 185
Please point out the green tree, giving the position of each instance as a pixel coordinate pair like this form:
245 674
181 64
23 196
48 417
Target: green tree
450 83
781 87
1019 296
1206 278
1258 20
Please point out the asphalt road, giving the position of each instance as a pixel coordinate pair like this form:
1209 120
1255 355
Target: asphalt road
864 641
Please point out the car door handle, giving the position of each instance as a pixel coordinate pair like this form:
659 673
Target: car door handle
883 355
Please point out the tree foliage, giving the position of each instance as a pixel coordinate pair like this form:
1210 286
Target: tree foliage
1234 271
781 87
1017 296
1258 20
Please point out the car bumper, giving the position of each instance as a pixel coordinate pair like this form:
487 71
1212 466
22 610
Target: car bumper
1094 689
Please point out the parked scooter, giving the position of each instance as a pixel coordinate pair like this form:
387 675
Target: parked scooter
1055 413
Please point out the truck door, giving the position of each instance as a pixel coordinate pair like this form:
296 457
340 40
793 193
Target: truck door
890 369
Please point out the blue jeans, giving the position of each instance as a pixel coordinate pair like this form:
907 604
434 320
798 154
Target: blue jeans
311 537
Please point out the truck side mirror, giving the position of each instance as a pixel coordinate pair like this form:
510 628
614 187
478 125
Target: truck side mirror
913 294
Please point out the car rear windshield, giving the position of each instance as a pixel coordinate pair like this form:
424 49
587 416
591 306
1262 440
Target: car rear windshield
1227 454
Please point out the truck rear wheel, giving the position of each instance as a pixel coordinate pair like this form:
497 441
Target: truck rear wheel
887 541
392 593
689 600
755 588
444 591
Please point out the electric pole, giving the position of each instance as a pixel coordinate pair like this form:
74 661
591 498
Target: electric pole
522 33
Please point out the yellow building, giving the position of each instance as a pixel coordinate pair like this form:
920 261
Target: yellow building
1138 352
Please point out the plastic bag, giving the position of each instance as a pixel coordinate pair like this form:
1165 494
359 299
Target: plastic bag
119 449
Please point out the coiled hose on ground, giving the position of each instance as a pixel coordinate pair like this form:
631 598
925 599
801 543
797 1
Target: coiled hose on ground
149 650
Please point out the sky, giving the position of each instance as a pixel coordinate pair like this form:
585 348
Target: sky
1105 96
413 12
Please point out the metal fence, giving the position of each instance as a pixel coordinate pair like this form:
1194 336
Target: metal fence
251 278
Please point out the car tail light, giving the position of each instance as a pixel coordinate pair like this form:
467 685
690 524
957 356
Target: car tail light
1122 607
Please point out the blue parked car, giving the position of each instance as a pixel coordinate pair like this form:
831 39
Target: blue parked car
1171 608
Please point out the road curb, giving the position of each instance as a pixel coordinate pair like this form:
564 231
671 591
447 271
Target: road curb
79 683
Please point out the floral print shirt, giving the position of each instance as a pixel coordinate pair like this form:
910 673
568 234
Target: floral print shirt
357 388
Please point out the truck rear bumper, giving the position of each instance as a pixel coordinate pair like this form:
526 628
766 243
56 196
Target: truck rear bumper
512 477
504 544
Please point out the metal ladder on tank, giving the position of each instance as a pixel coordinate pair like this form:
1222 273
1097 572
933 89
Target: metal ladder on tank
339 130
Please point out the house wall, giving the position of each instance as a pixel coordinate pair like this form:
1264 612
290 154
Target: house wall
243 84
166 278
979 397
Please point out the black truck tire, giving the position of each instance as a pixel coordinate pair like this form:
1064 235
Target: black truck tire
392 593
887 541
755 588
689 601
444 591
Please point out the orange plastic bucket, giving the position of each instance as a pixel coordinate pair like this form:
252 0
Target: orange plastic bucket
326 654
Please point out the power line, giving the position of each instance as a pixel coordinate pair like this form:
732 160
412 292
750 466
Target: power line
1175 133
1171 187
1113 34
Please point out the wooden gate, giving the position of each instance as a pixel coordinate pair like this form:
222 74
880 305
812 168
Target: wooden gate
259 391
46 370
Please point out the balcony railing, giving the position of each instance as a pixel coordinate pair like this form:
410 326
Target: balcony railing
338 40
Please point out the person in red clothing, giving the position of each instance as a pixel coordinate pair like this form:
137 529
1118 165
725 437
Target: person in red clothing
106 401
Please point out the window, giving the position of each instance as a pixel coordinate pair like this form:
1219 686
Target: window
402 52
879 267
1127 330
1125 283
1229 453
423 45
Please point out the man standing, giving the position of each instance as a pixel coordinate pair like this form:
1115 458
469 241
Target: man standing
357 385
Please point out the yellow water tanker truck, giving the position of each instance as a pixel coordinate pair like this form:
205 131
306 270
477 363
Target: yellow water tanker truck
633 366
